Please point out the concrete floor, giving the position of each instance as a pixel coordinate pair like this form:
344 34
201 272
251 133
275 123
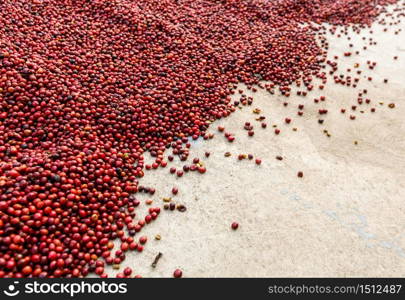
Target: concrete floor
345 217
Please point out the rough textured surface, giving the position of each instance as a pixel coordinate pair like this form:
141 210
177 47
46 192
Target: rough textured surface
345 217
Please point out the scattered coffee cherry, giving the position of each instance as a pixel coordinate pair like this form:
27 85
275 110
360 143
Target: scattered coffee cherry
143 240
175 190
300 174
181 208
234 225
167 199
177 273
127 271
75 127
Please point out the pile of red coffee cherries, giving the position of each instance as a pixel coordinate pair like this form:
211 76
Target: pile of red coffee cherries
87 86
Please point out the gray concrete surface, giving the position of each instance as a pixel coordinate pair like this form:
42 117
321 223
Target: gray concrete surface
345 217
